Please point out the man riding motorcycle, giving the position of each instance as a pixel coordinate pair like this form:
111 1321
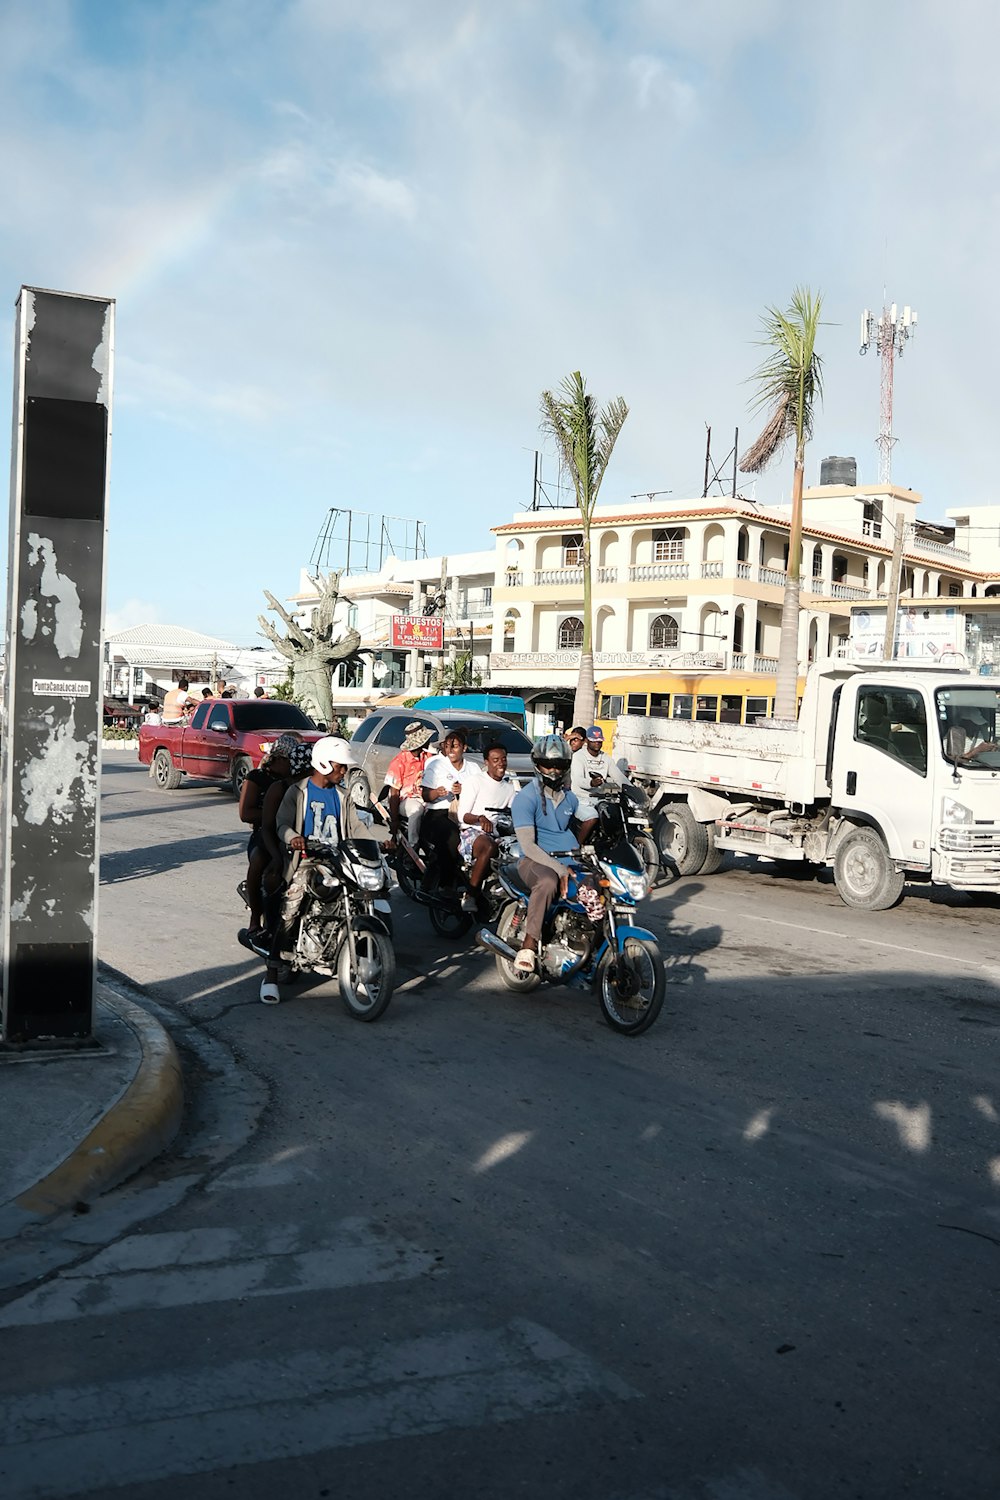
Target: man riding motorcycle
319 807
543 812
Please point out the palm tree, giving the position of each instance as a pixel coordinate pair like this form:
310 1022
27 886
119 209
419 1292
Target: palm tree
585 439
790 383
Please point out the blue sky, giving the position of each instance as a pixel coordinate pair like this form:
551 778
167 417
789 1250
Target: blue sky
351 243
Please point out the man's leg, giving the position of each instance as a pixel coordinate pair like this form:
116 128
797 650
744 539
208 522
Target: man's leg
543 884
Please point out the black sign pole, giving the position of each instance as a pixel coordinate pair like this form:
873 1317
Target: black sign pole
51 745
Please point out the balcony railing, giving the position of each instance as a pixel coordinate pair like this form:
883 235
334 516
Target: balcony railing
711 570
743 570
849 591
545 577
607 575
648 572
772 575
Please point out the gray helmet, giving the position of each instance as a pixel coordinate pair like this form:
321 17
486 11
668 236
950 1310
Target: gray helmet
551 757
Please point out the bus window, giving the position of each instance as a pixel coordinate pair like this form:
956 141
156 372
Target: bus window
707 710
756 709
659 705
681 706
637 703
731 711
611 706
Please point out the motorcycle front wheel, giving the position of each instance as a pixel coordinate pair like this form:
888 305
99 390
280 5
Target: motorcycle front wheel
366 986
632 986
645 846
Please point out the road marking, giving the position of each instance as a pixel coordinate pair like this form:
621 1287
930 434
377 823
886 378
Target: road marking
78 1439
218 1265
849 938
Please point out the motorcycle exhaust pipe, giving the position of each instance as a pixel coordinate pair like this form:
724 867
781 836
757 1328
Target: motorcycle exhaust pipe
487 938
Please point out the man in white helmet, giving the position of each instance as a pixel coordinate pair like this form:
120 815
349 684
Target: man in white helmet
322 808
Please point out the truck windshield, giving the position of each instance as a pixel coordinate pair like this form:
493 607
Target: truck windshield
269 713
969 724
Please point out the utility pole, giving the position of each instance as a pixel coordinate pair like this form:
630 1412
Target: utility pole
890 336
892 603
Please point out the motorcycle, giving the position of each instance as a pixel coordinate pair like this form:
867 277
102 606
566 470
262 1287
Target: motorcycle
416 870
589 941
640 834
337 923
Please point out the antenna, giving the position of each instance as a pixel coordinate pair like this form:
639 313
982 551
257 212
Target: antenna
890 335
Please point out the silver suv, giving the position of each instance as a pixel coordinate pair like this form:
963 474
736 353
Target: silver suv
379 737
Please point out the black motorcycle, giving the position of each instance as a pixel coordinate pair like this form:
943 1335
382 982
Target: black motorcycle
336 923
419 878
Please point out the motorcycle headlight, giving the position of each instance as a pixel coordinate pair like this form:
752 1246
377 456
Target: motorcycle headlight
955 812
369 877
632 883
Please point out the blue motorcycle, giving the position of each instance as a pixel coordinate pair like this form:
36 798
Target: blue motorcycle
589 941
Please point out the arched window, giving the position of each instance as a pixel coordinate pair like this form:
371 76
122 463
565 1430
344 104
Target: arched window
571 634
509 627
572 545
663 633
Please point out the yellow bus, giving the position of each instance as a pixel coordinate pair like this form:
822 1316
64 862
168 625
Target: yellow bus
709 697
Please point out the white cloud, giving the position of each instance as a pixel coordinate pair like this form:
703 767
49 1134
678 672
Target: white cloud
132 612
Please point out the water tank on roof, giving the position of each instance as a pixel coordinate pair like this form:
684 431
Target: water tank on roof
838 471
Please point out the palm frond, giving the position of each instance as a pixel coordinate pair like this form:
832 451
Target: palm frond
584 436
790 380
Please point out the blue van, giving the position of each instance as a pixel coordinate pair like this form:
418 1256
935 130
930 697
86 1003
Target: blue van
511 709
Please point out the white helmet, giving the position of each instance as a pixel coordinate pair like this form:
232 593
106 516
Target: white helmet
329 752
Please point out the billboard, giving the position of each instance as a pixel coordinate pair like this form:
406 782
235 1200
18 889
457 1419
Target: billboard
922 633
423 631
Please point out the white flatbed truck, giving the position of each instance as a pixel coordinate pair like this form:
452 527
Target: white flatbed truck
891 773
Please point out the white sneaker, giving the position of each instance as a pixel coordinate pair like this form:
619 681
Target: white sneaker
269 993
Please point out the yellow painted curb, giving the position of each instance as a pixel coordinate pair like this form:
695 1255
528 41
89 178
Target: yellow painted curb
137 1127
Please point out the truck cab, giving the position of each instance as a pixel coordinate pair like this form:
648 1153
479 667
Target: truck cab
913 755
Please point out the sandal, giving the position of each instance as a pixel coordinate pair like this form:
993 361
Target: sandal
269 993
526 961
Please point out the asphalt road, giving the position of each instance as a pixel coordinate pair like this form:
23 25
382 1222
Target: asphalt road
486 1247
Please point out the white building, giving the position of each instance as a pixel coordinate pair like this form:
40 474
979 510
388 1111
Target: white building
145 661
698 586
458 589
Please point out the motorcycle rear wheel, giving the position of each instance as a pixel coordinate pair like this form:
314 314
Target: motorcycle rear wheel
632 986
366 987
448 921
521 984
407 874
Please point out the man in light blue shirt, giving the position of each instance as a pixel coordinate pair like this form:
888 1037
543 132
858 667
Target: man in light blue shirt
543 812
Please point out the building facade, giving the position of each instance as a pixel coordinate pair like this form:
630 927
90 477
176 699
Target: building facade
699 586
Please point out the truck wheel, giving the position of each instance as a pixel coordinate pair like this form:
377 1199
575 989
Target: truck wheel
713 859
166 777
242 766
682 840
865 875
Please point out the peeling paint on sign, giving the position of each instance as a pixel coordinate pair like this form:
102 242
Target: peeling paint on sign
48 782
57 586
29 619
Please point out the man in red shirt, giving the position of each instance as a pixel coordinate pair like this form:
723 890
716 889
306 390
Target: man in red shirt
404 778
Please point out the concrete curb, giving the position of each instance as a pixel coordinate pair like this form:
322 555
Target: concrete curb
138 1126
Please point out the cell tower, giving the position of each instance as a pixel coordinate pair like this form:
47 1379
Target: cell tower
889 335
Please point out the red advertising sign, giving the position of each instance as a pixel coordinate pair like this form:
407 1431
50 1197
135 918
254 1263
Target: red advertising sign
425 631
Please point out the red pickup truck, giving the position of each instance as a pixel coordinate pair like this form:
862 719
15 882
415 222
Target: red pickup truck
224 740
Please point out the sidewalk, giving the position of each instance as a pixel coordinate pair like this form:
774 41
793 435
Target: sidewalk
74 1124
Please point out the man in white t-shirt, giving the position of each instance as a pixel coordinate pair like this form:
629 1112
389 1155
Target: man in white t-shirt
442 782
591 769
478 803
